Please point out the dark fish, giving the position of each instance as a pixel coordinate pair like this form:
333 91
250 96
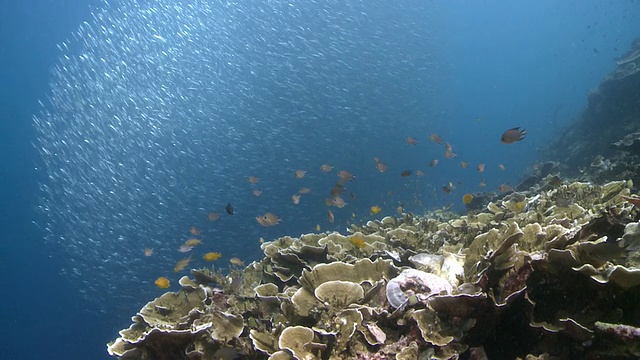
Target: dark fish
446 189
512 135
406 173
229 209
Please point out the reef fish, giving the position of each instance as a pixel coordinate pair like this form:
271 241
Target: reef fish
295 199
467 199
326 168
299 174
268 219
194 231
253 179
345 175
376 209
213 216
236 261
162 282
411 141
330 216
148 252
512 135
229 209
181 264
406 173
185 248
380 166
435 138
212 256
193 242
433 162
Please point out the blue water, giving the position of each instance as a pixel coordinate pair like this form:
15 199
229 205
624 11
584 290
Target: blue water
125 124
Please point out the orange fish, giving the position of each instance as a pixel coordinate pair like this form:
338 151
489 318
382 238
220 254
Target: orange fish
253 179
326 168
435 138
212 256
330 216
300 174
512 135
467 199
481 167
376 209
181 264
162 282
380 166
268 219
194 231
213 216
411 141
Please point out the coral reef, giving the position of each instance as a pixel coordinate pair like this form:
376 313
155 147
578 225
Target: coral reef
552 274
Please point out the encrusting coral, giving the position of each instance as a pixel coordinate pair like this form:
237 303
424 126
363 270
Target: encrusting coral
547 274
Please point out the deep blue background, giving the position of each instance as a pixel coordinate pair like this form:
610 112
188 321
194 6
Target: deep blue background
44 316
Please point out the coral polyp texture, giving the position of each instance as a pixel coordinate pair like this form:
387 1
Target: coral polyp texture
551 273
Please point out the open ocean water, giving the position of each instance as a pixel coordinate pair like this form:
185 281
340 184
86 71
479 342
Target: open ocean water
126 123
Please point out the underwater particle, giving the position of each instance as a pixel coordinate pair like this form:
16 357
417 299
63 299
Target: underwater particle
212 256
330 216
304 190
185 248
435 138
193 242
380 166
482 182
464 164
148 251
213 216
357 242
433 162
400 209
295 199
257 192
502 167
481 167
236 261
181 264
326 168
406 173
194 231
467 199
299 174
268 219
411 141
375 209
512 135
162 282
229 209
253 179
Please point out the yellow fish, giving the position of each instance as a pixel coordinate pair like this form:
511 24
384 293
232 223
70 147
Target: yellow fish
193 242
318 227
181 264
212 256
357 242
376 209
467 199
162 282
